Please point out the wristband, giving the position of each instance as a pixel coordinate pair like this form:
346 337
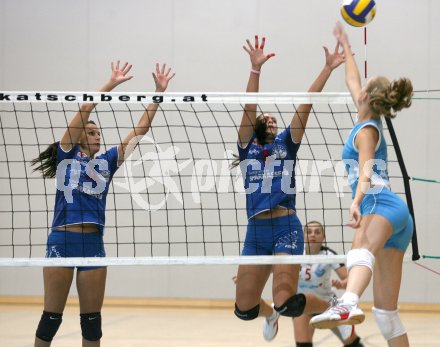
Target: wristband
255 71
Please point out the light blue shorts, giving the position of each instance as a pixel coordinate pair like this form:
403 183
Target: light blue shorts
393 208
68 244
274 235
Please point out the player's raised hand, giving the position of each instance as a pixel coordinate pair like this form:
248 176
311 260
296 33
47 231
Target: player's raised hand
340 34
119 73
162 77
256 53
333 60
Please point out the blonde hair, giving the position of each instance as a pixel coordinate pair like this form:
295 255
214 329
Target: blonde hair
387 97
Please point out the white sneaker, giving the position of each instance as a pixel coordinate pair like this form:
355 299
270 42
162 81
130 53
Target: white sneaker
270 326
338 314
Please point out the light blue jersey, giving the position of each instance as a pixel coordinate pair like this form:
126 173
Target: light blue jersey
269 173
82 186
379 199
350 156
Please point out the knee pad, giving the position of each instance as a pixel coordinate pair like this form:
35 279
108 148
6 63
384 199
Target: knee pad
91 326
48 326
304 344
389 323
293 307
249 314
360 257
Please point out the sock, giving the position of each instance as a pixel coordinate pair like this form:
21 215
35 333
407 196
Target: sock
355 343
304 344
350 298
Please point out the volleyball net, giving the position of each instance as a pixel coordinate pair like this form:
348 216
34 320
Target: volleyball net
175 200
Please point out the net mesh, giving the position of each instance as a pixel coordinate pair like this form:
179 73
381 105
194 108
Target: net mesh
176 195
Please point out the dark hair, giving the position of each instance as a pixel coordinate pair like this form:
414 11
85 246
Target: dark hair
260 130
387 97
47 159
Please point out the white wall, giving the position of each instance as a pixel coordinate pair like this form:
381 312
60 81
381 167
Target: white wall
67 45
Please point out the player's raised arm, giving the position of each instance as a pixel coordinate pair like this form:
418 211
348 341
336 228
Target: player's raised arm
258 58
352 76
299 120
161 78
76 126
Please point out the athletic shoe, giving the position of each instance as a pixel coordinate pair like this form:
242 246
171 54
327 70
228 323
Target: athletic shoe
338 314
270 326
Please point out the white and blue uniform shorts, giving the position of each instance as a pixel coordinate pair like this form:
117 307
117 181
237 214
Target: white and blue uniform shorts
274 235
68 244
393 208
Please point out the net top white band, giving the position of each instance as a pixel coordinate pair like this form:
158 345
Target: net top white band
192 260
174 98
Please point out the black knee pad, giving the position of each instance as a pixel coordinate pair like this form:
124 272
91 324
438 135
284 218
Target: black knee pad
249 314
304 344
293 307
48 326
91 326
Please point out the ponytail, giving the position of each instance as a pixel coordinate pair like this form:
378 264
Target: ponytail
47 161
388 98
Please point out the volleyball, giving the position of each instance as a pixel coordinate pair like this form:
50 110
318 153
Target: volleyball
358 13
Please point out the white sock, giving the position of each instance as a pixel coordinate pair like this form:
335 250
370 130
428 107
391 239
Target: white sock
350 298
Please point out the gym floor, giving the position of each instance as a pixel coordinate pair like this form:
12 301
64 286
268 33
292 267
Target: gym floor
145 325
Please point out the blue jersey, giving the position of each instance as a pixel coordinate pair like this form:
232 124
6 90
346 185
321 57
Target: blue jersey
269 173
350 156
82 186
